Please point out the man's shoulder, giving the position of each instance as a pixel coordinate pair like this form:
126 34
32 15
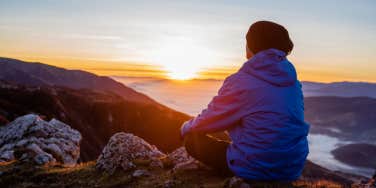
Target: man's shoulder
241 81
238 76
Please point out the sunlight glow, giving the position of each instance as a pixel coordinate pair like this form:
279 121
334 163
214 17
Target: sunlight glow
181 75
182 58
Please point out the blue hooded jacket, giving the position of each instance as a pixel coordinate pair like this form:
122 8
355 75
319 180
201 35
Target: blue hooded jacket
261 106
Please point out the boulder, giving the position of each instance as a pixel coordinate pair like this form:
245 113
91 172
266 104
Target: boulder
236 182
29 138
140 173
182 160
170 184
124 151
179 155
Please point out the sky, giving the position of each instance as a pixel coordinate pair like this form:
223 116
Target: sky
334 40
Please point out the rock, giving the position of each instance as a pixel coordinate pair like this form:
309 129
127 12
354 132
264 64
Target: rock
169 184
182 160
187 165
179 155
123 149
236 182
139 173
6 155
31 139
372 182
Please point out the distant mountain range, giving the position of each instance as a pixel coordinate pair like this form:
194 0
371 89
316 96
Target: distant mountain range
340 89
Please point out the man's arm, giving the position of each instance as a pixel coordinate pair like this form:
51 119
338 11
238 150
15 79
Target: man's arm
225 110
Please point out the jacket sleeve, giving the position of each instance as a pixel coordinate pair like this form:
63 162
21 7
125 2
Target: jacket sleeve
224 111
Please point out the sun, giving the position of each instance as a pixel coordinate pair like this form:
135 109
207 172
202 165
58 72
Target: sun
181 75
182 58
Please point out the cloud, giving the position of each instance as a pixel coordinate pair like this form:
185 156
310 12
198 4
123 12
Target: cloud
93 37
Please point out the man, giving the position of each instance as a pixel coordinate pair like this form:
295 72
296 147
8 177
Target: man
261 107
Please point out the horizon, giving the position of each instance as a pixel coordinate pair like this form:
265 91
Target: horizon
178 80
334 41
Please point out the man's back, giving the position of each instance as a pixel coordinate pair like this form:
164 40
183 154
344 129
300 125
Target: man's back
261 106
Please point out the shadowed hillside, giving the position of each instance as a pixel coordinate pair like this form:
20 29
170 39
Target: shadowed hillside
96 115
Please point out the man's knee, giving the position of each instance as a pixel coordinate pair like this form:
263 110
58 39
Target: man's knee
192 144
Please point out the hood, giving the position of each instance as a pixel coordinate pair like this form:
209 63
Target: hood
271 66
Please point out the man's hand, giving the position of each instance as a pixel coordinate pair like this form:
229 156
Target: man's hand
185 129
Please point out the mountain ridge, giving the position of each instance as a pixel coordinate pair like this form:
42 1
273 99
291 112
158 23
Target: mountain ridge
39 74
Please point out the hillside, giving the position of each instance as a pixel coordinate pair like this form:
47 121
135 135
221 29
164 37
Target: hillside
38 74
96 115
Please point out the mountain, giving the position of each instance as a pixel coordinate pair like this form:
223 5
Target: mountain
38 74
340 89
352 119
96 115
360 154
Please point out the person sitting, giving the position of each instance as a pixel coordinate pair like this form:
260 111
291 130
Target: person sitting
261 107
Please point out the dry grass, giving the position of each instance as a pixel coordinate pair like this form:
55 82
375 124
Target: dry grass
15 174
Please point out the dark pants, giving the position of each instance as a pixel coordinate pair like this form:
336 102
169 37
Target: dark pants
212 152
208 150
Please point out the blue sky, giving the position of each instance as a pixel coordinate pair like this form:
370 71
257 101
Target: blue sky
334 40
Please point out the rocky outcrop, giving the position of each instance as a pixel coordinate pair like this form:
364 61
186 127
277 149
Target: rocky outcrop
30 138
124 151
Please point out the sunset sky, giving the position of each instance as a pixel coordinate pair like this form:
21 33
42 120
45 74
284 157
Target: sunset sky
334 40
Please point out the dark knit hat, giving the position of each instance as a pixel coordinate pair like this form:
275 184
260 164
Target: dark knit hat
263 35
